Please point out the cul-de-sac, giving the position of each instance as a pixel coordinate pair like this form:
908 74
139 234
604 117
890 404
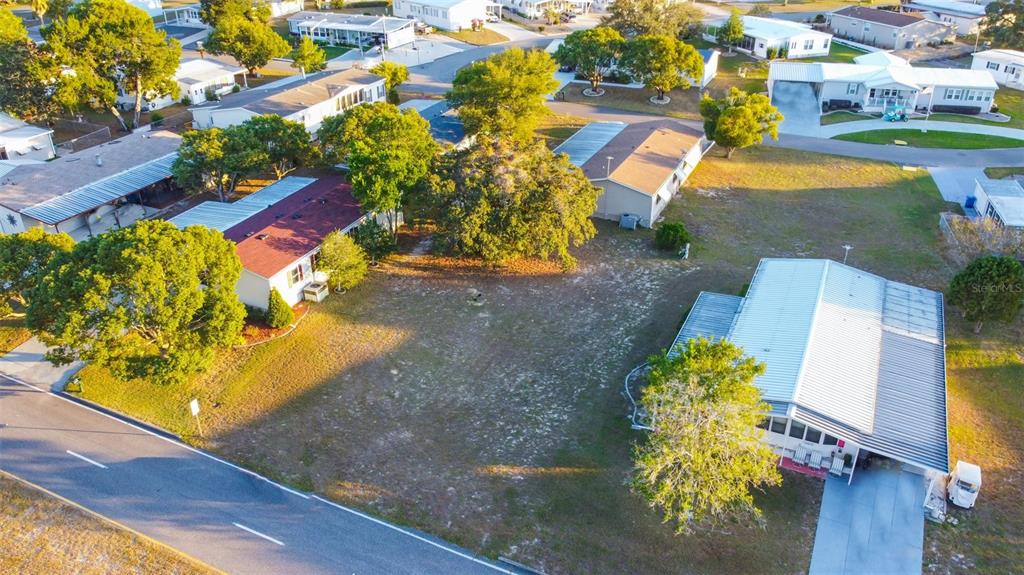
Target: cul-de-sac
521 287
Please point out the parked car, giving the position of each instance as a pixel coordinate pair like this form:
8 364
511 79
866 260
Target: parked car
493 18
566 17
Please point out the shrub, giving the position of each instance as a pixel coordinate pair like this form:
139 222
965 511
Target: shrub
279 313
772 52
236 89
186 101
671 236
819 19
375 239
343 260
254 314
990 288
156 118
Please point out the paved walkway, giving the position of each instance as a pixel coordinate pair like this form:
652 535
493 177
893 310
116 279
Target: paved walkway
512 32
874 525
958 127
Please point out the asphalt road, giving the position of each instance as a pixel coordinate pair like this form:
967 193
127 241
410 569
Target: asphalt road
223 515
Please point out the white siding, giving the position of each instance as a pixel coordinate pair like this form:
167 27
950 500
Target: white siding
1007 74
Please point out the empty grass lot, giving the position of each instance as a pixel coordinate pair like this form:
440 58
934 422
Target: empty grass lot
42 534
837 53
501 426
932 139
685 104
480 37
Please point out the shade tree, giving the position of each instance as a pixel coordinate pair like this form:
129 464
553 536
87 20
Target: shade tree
739 120
991 288
662 63
591 53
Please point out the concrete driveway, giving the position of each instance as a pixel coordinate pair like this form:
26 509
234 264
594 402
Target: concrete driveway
27 362
955 184
799 106
875 525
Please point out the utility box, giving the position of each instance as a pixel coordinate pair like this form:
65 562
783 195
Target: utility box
315 291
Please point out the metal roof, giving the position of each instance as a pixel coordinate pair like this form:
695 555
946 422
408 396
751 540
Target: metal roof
104 191
222 215
582 145
355 22
965 9
849 352
710 317
878 75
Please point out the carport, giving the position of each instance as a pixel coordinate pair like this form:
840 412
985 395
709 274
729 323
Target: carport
798 103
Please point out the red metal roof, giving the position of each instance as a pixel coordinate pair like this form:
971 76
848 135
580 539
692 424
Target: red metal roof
275 238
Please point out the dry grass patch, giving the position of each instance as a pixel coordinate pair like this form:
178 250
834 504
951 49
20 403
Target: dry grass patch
42 534
685 104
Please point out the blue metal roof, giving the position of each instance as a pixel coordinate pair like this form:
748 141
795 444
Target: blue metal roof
582 145
223 215
100 192
710 317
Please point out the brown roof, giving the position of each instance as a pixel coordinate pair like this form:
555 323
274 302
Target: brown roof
886 17
275 238
296 96
644 155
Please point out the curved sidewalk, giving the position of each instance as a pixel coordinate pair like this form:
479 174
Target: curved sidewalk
833 130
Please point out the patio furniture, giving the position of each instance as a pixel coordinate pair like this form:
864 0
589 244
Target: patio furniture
801 455
815 460
837 466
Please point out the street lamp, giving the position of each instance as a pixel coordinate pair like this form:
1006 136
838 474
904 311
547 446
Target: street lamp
846 252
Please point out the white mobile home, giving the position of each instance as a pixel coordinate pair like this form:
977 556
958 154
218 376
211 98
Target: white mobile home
447 14
1006 66
308 101
198 81
353 29
23 141
781 37
640 166
1001 200
855 363
874 88
965 17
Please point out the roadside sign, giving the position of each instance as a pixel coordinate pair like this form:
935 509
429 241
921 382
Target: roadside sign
194 405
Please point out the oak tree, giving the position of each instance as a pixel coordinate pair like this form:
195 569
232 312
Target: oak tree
591 53
989 288
662 63
23 257
738 119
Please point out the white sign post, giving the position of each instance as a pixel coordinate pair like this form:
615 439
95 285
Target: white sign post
194 406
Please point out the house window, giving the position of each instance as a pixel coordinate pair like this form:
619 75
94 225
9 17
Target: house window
851 89
779 425
829 440
792 45
813 435
295 275
954 93
1010 70
808 44
796 429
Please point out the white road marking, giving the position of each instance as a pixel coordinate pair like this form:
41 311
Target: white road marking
413 535
158 436
257 533
86 459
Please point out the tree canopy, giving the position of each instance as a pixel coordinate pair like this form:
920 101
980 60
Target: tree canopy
388 153
1004 22
23 257
148 300
394 75
252 43
503 96
213 12
284 144
591 52
26 70
665 17
500 200
989 288
705 452
343 260
217 159
309 57
738 119
112 45
662 63
731 33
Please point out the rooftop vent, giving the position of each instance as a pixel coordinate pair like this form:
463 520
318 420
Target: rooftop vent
249 234
297 217
262 237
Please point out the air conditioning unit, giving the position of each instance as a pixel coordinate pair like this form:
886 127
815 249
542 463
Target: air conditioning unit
315 291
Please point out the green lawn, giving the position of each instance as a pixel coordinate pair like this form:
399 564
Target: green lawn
1011 103
837 53
843 117
479 38
932 139
737 70
12 333
1000 173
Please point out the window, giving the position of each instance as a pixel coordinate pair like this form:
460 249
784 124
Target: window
778 425
829 440
1010 69
851 89
808 44
954 93
825 44
295 275
796 429
792 45
993 66
813 435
